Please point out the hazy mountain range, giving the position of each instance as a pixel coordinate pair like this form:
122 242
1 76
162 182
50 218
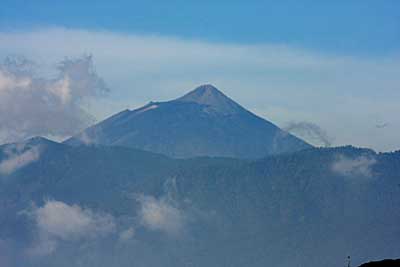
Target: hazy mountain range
98 200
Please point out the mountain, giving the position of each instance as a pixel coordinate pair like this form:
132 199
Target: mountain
118 206
204 122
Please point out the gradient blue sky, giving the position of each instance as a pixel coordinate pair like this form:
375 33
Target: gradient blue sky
342 26
333 63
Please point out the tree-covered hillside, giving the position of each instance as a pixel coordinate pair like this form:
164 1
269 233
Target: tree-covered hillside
127 207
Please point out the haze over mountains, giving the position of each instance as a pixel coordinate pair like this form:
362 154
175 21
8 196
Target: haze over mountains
204 122
107 206
226 189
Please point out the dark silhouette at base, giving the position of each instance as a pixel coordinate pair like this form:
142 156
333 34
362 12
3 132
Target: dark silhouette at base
384 263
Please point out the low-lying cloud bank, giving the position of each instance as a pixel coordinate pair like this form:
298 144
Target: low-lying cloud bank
354 167
57 221
31 103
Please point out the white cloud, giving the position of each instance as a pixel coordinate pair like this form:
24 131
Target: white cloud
127 234
18 158
8 81
352 167
161 215
280 82
32 104
57 221
86 139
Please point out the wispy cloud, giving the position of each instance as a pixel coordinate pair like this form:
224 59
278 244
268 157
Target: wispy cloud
161 215
33 104
57 221
18 157
310 132
282 83
354 167
127 234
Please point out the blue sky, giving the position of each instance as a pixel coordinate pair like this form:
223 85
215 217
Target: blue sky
352 26
333 63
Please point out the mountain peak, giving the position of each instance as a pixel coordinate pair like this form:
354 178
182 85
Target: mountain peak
210 96
204 122
203 94
207 89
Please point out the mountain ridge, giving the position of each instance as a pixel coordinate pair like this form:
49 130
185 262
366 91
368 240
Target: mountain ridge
283 210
